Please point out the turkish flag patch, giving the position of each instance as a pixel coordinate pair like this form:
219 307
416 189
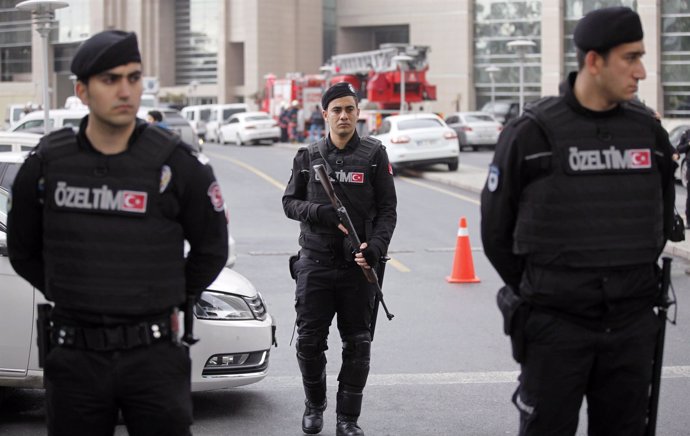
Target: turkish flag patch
134 201
357 178
390 169
216 197
640 158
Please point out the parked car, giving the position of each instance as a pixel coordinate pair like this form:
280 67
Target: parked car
249 127
232 321
220 114
175 122
502 110
198 116
419 139
57 119
682 170
475 129
18 141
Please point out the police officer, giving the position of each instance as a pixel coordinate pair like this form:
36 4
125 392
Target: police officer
683 147
98 223
575 212
329 279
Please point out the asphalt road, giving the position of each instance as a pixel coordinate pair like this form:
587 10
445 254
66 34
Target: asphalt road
441 367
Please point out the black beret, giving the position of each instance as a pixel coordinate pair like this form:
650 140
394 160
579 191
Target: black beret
606 28
340 89
103 51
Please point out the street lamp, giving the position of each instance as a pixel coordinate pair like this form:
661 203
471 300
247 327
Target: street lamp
491 70
521 46
192 91
401 61
43 12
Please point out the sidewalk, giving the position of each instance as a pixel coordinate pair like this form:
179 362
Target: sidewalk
473 178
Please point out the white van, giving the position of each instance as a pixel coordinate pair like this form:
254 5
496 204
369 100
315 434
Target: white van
198 116
220 114
58 118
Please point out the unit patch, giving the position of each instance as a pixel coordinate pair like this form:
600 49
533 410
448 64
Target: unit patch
493 179
216 197
102 199
608 160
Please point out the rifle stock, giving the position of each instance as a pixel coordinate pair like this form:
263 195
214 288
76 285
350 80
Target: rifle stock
369 273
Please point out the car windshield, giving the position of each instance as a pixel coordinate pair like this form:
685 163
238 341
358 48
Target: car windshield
173 118
419 123
478 118
257 118
501 107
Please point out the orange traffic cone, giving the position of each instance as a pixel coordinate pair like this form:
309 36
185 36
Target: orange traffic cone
463 266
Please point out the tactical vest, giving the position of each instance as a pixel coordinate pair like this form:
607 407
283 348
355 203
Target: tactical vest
601 205
353 174
108 245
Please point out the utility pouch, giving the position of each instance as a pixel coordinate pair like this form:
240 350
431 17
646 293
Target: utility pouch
293 259
44 326
678 228
515 311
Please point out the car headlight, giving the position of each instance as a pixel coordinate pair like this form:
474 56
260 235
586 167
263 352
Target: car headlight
229 307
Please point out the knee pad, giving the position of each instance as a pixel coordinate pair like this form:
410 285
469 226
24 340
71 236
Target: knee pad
311 357
356 358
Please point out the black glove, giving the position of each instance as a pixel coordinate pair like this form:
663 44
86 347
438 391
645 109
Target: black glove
372 254
327 215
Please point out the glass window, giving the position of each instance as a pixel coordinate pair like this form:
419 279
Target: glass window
196 41
574 10
477 118
675 58
497 22
257 118
15 43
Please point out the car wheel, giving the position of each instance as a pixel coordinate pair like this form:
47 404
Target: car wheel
475 148
453 165
684 172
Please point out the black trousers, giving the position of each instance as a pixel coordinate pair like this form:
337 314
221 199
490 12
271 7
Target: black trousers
565 362
150 385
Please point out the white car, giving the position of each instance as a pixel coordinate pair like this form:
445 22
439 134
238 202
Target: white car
220 114
18 141
236 332
57 119
249 127
419 139
475 129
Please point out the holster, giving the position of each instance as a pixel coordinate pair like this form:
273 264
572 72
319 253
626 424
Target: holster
515 311
43 331
291 262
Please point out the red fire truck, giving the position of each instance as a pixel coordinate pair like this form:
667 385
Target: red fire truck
376 75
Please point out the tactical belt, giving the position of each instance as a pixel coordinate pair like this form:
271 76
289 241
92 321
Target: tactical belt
113 338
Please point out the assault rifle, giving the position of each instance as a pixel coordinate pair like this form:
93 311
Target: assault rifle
369 273
662 313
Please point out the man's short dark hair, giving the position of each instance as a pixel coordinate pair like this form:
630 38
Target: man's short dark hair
580 55
156 115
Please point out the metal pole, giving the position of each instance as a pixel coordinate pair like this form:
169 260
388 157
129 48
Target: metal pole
43 31
522 94
493 90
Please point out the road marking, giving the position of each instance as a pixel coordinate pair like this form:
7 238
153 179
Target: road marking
250 168
441 190
441 378
394 263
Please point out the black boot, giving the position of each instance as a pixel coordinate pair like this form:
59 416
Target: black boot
347 426
312 420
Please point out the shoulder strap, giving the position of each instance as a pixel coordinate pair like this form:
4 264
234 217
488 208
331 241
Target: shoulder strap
58 144
155 145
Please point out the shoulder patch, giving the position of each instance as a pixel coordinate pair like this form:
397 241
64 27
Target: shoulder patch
494 178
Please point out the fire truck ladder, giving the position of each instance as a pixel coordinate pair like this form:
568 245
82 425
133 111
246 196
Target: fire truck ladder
380 60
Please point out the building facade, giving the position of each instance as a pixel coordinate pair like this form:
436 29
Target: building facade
204 51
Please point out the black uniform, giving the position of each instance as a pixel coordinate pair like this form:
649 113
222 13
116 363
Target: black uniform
102 237
576 210
328 280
